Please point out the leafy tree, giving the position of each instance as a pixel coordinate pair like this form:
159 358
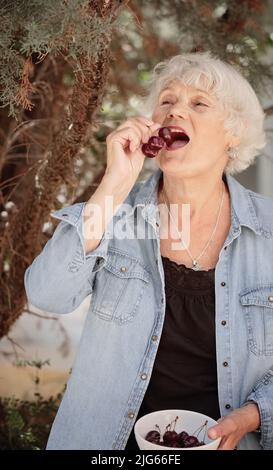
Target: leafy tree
70 72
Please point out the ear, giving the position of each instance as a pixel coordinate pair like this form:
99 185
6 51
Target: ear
234 141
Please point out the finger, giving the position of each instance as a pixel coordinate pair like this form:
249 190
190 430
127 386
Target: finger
145 130
127 137
213 431
144 120
227 443
148 123
142 131
128 125
222 443
224 427
151 131
154 127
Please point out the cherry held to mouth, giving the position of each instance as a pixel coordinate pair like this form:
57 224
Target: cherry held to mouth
164 139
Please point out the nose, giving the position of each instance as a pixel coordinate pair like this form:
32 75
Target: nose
178 110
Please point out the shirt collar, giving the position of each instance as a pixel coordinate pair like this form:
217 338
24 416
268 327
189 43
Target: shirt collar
242 209
243 212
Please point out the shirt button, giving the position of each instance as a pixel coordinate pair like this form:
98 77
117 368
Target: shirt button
162 300
131 415
227 406
223 283
123 269
225 364
154 338
65 215
225 248
223 322
270 298
144 376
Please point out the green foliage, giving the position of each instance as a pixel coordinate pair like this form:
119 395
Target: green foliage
34 28
237 32
25 424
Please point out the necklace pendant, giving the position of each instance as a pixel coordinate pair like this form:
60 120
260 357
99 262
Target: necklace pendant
196 266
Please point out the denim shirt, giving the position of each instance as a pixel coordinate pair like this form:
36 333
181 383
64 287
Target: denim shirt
124 323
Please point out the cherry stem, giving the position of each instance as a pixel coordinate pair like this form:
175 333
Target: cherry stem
205 430
157 427
198 430
174 421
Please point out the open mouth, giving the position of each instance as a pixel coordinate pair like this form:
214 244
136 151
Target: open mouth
169 138
178 139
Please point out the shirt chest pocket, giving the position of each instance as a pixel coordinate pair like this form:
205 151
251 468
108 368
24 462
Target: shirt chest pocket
257 305
119 288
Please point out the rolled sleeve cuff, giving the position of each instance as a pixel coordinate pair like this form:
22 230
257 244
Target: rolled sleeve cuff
73 215
262 396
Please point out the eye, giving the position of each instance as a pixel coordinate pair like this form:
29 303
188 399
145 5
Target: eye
163 102
199 103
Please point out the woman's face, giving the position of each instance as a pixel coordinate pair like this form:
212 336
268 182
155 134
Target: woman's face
201 116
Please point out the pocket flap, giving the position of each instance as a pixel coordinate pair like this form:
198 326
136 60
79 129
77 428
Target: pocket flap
124 266
260 295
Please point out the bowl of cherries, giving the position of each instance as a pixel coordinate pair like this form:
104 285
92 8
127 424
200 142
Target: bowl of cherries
175 430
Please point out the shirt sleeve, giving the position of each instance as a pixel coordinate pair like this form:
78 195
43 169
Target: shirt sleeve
62 275
262 395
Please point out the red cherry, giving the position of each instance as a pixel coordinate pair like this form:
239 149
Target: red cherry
166 134
153 436
181 437
148 152
191 441
169 437
176 444
156 143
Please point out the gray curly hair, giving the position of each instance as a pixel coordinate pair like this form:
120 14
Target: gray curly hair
236 95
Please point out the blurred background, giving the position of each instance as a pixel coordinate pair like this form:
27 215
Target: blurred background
70 72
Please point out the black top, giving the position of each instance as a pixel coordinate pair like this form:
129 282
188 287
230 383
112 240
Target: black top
184 374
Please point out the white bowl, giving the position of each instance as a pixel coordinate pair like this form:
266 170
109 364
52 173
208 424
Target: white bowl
187 421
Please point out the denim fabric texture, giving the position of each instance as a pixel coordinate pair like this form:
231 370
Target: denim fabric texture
126 314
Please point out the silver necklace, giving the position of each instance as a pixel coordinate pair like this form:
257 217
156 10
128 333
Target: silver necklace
195 264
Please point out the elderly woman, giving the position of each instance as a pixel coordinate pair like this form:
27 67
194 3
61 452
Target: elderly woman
181 313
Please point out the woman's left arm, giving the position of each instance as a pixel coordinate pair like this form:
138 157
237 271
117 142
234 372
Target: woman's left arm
256 413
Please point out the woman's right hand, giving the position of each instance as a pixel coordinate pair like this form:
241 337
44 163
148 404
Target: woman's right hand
124 155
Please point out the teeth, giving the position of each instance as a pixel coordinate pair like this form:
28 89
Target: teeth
177 131
181 135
